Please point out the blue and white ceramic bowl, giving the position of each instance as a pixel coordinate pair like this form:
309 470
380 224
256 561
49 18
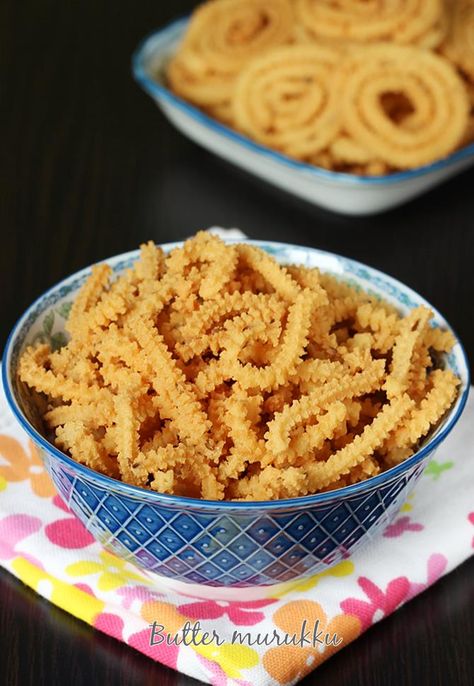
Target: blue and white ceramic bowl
344 193
217 548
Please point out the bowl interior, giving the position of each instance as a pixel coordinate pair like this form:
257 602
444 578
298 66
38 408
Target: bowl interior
45 321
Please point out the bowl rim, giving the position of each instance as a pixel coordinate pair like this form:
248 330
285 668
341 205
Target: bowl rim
155 88
108 482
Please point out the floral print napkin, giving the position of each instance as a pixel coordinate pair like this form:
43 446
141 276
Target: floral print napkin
275 641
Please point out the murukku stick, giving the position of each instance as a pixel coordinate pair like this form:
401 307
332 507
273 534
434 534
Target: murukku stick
411 330
321 473
168 378
275 274
441 340
430 410
109 308
88 295
247 447
32 371
163 467
307 277
314 435
290 351
128 440
180 461
64 414
278 434
151 265
381 323
271 483
74 437
204 248
208 326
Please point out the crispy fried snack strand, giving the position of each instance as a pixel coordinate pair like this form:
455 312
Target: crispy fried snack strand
215 372
33 372
276 275
128 448
300 410
169 380
430 410
374 434
204 249
194 336
314 435
76 438
247 447
411 330
289 352
88 295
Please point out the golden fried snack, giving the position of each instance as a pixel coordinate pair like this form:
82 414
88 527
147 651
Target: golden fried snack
215 372
89 295
194 336
403 21
443 385
346 150
362 87
437 104
220 261
411 330
310 404
285 99
459 43
221 38
468 136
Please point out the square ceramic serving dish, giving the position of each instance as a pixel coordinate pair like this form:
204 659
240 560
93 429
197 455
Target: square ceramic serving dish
344 193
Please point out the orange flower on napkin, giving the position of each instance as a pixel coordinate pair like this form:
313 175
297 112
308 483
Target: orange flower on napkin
22 466
285 663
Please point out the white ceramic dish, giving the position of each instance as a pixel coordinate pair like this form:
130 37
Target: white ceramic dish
345 193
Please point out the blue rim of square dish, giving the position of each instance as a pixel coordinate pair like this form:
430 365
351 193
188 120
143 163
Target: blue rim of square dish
164 498
154 88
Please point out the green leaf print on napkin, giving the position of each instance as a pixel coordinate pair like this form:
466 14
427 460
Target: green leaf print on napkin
435 469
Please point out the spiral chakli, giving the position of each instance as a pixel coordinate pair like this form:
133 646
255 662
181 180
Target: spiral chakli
285 99
222 37
459 44
406 105
403 21
469 132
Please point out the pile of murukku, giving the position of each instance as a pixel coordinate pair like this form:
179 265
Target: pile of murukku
366 87
214 372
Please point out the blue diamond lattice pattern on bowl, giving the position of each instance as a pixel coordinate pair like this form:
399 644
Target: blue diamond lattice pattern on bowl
231 547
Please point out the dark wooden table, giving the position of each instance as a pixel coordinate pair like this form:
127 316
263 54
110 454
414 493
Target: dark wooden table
88 169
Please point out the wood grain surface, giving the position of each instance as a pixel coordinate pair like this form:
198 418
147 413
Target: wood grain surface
90 168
